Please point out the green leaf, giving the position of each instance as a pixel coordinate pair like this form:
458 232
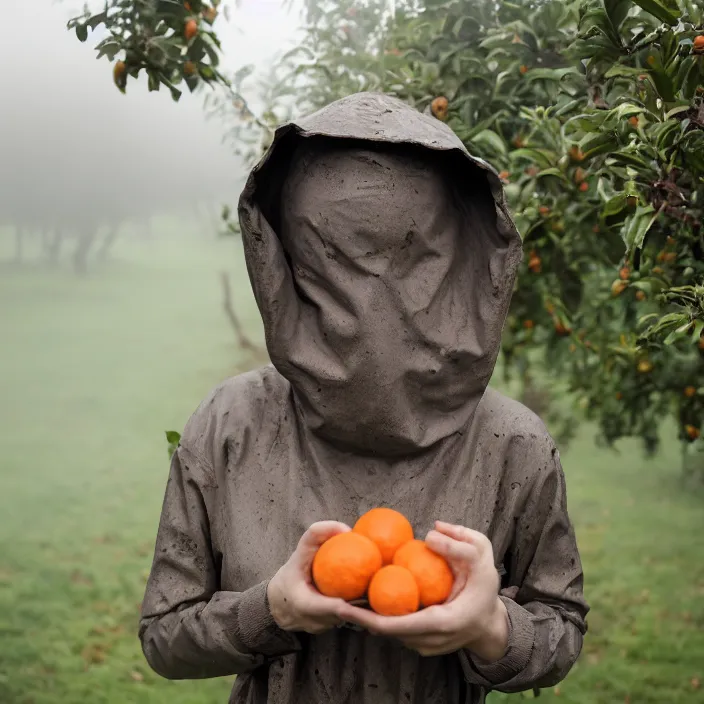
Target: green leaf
82 32
667 11
491 139
173 437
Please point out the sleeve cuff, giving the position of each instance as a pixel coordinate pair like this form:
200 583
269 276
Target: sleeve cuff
255 627
520 647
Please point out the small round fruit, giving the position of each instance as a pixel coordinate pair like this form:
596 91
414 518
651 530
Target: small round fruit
389 529
645 366
190 30
394 592
584 186
345 564
430 570
624 273
189 68
640 295
618 287
698 44
690 391
692 432
523 69
439 107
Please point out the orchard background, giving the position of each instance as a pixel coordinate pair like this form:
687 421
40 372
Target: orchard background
600 146
593 113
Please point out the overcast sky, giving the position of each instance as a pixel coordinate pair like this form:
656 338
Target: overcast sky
67 136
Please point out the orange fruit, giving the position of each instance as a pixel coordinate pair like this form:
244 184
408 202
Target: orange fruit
645 366
503 175
544 210
190 30
692 432
579 174
528 324
119 75
344 566
187 6
189 68
439 107
624 273
393 591
640 295
430 570
524 69
690 391
584 186
389 529
632 201
618 287
633 120
576 154
535 265
699 44
561 329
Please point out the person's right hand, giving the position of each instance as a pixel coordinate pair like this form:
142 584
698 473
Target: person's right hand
294 602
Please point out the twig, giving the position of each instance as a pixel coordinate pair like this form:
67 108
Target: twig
242 339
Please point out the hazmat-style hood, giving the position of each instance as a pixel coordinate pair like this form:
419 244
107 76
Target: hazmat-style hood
382 259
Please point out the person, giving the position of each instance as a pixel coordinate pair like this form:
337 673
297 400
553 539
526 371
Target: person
382 258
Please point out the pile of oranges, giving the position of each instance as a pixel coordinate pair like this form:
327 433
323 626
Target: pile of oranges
380 559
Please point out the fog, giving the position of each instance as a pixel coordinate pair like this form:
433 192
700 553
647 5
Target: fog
77 156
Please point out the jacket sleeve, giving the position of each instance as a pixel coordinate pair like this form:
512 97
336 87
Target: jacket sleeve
547 612
189 628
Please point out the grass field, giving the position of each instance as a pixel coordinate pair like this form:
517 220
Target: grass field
93 371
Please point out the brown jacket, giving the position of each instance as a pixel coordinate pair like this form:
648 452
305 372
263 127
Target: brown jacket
377 395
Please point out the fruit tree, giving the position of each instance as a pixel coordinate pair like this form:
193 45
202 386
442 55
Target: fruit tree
593 113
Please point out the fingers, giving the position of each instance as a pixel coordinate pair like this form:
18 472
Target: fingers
461 533
421 622
452 549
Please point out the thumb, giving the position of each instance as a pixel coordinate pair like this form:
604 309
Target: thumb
315 536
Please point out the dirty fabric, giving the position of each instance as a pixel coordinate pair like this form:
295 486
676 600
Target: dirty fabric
382 259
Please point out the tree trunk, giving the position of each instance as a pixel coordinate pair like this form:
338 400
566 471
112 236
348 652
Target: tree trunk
19 243
104 250
53 246
80 254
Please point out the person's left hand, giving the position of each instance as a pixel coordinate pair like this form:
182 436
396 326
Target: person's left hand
473 617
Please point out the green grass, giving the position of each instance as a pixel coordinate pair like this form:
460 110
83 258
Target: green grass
95 370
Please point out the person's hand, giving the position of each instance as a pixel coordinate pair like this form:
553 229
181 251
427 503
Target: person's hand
294 602
473 617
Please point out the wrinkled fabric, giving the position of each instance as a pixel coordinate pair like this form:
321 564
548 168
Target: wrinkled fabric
382 259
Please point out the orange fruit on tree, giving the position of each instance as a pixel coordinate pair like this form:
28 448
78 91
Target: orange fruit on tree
645 366
618 287
191 29
187 5
345 564
692 432
690 391
523 69
528 324
584 186
699 44
503 175
394 591
544 210
389 529
640 295
189 68
439 107
430 570
576 154
579 175
624 273
633 120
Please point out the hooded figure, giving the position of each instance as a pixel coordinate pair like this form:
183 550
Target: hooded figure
383 260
